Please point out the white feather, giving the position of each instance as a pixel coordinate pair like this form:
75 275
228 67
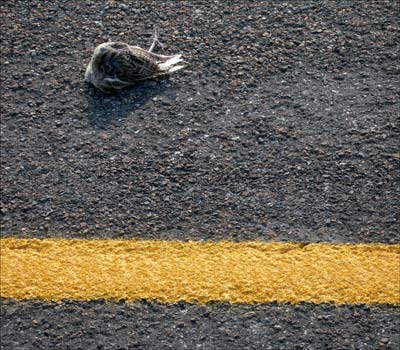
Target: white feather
175 68
169 64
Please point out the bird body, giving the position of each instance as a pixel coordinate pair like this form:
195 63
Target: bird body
115 65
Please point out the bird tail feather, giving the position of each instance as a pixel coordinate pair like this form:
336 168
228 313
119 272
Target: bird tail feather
175 68
170 64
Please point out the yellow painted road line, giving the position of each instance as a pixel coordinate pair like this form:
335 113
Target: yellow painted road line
54 269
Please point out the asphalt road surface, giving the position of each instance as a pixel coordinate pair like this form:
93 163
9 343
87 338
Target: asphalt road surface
284 127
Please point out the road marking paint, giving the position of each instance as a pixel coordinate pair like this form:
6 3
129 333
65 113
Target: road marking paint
247 272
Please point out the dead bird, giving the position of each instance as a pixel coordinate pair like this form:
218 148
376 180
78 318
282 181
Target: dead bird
116 65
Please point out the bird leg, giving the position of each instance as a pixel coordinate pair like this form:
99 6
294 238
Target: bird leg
155 40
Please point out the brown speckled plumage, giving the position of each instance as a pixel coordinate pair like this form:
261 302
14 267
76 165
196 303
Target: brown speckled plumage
115 65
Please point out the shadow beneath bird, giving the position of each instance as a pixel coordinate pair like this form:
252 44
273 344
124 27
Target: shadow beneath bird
105 109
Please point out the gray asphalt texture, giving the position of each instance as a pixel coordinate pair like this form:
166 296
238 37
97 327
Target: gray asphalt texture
283 127
120 326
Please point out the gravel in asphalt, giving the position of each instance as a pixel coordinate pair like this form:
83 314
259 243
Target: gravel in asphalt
101 325
284 127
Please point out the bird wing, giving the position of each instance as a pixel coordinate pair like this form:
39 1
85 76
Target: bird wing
130 64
